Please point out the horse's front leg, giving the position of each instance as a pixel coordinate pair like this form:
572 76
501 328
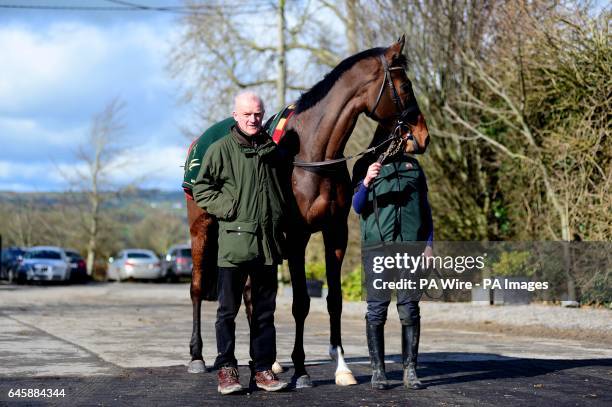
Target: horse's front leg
335 239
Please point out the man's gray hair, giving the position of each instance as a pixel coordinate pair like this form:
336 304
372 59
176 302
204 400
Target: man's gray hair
248 94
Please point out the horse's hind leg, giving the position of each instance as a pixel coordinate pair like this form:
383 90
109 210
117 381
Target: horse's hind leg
335 240
200 226
301 304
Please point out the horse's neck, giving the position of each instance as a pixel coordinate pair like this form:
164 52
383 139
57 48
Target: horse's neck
325 128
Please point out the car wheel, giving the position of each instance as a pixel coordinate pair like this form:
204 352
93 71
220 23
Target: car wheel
174 278
19 278
170 277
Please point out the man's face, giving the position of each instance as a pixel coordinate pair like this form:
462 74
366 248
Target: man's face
248 114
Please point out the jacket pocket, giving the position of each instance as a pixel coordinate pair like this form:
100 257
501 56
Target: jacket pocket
238 241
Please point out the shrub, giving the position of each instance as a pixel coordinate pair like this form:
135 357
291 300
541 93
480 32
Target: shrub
351 285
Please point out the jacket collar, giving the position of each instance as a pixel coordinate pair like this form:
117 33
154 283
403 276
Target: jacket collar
247 140
259 143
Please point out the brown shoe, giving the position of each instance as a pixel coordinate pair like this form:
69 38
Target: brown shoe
268 381
229 381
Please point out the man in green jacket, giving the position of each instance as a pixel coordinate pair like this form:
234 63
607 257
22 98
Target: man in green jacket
241 184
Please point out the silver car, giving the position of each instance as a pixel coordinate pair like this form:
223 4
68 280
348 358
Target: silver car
44 263
134 263
178 262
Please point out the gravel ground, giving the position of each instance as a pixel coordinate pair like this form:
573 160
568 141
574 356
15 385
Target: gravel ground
584 323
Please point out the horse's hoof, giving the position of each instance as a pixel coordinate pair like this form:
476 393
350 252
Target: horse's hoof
196 366
277 368
345 379
302 381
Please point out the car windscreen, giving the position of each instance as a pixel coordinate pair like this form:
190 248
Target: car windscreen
184 253
43 254
139 256
73 256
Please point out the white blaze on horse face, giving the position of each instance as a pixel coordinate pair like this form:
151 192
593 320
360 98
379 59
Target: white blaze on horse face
248 113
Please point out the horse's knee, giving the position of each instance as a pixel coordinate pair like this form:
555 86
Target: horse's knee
300 308
195 290
334 301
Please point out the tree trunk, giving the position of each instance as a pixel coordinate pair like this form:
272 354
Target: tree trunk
572 294
281 81
92 243
351 26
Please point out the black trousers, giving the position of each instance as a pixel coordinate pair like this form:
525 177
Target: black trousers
407 300
262 342
409 311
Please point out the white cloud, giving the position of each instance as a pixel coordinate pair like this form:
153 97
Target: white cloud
22 172
68 62
27 132
44 64
54 77
147 166
151 166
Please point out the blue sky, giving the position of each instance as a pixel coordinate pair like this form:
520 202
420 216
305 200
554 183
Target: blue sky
59 68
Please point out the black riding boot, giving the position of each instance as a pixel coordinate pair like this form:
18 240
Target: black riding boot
410 351
376 346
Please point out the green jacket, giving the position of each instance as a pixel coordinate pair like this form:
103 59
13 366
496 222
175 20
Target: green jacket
243 186
400 191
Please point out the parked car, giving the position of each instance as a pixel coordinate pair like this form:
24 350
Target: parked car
134 263
78 268
43 263
178 262
10 258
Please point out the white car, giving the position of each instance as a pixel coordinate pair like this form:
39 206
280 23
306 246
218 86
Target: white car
134 263
44 263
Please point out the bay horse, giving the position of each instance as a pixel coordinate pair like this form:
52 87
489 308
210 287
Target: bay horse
373 82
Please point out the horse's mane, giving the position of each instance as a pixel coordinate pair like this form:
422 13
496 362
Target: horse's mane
318 91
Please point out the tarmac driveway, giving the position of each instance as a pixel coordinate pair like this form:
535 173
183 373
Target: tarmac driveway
110 344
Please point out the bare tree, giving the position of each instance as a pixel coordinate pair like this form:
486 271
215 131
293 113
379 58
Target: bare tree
548 102
159 230
283 51
22 223
95 160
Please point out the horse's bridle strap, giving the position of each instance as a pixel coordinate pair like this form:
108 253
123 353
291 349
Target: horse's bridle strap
387 80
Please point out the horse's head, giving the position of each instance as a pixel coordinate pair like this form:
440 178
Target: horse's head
391 101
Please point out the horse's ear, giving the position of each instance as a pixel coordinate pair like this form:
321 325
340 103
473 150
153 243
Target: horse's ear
401 41
395 50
